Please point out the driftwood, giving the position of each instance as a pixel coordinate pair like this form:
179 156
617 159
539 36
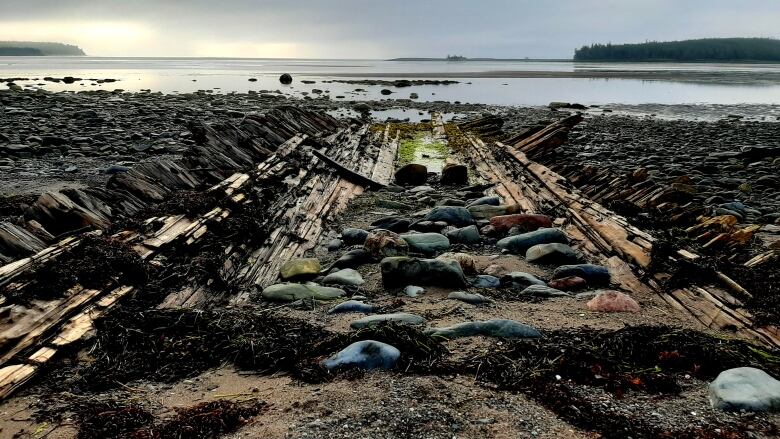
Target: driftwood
607 237
44 330
354 177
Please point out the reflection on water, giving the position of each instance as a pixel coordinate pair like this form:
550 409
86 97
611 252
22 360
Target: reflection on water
185 75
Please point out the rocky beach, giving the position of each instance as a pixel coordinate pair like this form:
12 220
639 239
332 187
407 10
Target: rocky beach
267 264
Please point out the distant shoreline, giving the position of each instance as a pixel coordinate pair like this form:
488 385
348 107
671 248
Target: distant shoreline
703 76
484 59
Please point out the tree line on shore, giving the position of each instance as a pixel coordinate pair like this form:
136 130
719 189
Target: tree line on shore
707 49
29 48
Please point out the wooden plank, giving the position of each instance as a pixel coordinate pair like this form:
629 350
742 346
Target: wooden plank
36 330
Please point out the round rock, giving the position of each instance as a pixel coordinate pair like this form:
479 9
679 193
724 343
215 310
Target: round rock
399 317
347 276
366 354
745 388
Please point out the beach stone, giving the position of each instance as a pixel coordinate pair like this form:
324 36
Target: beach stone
525 222
500 328
116 169
454 174
427 226
454 215
519 244
465 260
352 306
353 236
420 189
16 149
300 268
568 283
399 317
412 174
554 253
593 274
392 223
490 201
346 276
398 271
334 244
613 301
519 279
465 235
426 243
486 211
473 299
383 243
289 292
745 388
731 208
486 281
543 291
352 259
366 354
413 291
286 79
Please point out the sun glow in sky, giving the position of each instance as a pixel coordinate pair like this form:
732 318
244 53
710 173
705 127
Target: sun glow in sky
107 38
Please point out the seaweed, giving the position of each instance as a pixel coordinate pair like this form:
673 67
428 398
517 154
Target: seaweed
644 358
169 345
204 420
95 263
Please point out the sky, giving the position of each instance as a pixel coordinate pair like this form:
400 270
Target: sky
375 29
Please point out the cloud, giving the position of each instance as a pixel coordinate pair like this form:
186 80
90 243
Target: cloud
375 29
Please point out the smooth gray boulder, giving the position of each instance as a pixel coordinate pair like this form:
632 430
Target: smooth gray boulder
413 291
401 271
454 215
486 281
519 244
353 236
485 201
352 259
352 306
289 292
519 279
473 299
366 354
745 388
347 276
543 291
426 243
501 328
399 317
395 224
554 253
465 235
486 211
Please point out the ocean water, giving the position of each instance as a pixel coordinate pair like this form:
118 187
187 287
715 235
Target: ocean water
488 82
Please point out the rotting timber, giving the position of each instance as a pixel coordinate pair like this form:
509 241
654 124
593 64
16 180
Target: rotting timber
265 160
610 238
291 193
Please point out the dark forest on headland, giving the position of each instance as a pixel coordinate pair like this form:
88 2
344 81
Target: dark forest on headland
707 49
29 48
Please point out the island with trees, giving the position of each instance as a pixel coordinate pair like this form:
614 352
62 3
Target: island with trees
29 48
706 49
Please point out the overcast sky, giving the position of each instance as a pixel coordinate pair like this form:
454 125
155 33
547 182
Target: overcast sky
375 29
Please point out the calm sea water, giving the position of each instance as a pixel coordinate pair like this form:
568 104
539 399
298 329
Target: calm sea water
733 83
